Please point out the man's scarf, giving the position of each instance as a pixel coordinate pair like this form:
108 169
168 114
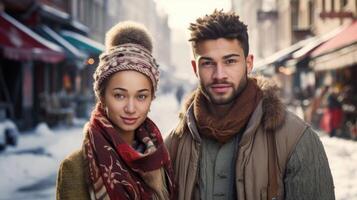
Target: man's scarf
117 171
224 128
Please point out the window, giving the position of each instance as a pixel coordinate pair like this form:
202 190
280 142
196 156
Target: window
343 4
311 13
294 14
332 5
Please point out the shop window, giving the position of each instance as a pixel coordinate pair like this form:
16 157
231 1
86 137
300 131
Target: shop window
343 4
311 13
294 14
332 5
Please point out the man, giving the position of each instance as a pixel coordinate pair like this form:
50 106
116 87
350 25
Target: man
235 139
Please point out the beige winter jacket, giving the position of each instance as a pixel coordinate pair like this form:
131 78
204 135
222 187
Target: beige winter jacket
303 169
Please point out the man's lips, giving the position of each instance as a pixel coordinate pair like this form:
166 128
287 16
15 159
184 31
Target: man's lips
129 120
220 88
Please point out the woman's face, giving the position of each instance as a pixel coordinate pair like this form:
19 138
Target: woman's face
127 99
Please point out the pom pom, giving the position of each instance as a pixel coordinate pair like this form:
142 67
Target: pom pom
128 32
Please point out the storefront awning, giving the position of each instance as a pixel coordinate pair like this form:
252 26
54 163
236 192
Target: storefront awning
301 57
318 40
60 17
281 55
341 58
83 43
346 37
338 52
18 42
72 53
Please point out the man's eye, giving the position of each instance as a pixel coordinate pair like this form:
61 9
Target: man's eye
231 61
207 63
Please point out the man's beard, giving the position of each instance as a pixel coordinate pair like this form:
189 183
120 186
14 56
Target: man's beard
235 94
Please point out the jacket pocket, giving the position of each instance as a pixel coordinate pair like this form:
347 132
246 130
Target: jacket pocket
264 194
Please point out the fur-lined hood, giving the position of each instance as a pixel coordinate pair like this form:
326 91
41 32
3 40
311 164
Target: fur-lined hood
273 108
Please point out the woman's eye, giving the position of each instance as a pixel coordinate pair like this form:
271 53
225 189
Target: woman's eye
142 97
119 96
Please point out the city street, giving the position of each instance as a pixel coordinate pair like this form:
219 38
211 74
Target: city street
54 53
29 171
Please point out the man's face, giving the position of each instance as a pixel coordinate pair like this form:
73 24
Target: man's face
221 68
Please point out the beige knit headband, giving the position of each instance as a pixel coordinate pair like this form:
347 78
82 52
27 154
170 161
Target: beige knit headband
126 57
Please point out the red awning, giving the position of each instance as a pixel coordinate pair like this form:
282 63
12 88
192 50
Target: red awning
18 42
346 37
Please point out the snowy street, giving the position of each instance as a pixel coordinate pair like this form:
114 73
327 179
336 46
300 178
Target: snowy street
29 170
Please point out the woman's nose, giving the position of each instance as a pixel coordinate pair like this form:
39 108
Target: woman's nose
130 107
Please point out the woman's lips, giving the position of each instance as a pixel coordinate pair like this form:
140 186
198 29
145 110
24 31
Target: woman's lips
220 88
129 120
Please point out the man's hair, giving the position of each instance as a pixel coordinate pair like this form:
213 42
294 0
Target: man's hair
219 25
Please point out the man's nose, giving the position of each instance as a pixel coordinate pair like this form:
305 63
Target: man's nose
220 72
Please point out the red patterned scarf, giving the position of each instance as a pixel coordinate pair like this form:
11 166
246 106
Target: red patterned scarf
118 171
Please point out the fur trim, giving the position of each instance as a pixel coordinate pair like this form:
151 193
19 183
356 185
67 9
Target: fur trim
273 108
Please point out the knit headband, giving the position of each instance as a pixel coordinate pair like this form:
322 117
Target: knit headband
126 57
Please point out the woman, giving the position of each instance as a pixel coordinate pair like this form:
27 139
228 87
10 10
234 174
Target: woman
123 155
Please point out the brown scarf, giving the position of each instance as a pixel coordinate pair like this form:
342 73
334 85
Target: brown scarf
224 128
117 171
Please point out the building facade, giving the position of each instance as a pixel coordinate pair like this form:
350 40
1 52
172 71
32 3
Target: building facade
277 24
100 15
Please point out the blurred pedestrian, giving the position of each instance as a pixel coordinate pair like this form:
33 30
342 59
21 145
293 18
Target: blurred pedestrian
315 104
331 120
235 138
179 94
123 155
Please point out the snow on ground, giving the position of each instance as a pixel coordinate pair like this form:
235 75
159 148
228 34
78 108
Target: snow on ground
36 157
342 156
29 170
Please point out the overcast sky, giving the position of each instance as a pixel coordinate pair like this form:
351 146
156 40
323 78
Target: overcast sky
182 12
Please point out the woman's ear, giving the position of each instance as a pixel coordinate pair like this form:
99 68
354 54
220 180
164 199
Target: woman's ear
102 103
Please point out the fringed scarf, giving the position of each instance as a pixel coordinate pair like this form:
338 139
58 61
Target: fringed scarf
224 128
117 171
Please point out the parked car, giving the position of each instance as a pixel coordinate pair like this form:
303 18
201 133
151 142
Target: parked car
8 134
8 131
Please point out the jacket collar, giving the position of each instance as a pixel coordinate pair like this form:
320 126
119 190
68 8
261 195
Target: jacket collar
270 112
191 124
